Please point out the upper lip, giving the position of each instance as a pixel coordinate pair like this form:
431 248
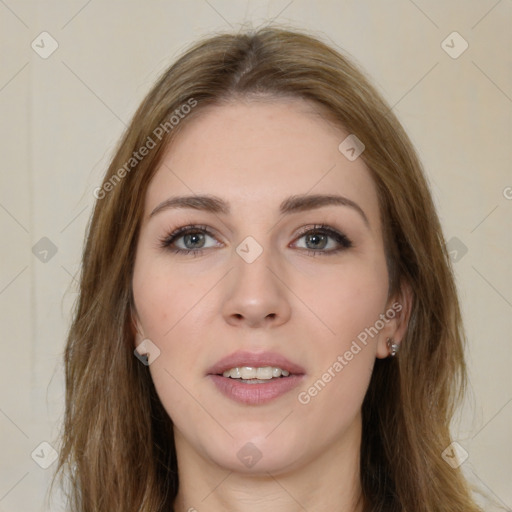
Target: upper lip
244 358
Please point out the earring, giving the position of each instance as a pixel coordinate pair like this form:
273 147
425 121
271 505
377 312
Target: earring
393 347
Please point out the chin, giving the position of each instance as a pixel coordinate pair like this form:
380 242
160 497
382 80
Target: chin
256 453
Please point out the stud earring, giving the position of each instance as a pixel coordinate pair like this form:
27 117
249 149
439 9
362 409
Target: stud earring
393 347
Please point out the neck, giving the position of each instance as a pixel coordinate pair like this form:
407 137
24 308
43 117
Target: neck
329 481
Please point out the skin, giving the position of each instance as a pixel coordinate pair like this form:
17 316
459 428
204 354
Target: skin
198 309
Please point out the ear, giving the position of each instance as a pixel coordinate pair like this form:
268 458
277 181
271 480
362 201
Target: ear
397 314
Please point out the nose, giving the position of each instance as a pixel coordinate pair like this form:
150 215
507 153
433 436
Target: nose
256 294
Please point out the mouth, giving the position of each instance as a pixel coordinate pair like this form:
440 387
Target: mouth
255 379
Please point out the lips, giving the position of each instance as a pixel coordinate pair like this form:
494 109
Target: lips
243 358
257 393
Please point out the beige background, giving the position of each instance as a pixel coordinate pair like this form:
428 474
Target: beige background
61 117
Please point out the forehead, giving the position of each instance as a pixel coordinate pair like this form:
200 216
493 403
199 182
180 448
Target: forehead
256 153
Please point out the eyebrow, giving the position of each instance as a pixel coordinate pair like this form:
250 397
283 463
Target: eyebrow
292 204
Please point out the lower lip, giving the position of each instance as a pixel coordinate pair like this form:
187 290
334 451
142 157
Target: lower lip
255 394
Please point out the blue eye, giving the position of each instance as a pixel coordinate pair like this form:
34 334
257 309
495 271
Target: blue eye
319 236
191 235
193 238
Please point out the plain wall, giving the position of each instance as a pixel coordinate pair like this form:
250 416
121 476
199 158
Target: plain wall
61 117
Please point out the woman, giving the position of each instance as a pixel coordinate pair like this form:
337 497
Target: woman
267 316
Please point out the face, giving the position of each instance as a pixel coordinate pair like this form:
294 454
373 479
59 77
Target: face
265 281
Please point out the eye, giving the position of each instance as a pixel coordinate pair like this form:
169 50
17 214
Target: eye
193 239
318 238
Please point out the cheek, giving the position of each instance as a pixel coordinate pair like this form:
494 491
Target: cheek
349 302
163 297
171 311
165 306
348 298
343 359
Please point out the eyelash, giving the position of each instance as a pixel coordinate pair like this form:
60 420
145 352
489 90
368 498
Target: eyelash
340 238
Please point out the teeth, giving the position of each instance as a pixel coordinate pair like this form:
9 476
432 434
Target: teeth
248 372
251 372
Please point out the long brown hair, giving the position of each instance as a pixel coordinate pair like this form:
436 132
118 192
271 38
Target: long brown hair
117 442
